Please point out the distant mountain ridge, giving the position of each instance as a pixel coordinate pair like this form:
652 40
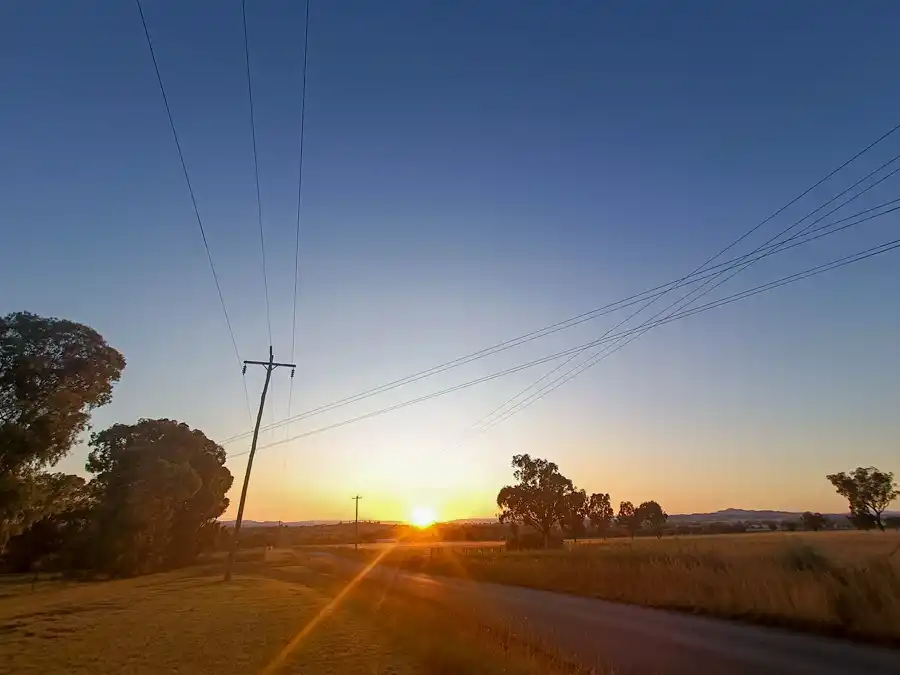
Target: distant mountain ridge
732 514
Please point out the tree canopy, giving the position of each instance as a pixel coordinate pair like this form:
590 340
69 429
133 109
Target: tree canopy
574 511
813 521
651 514
53 373
869 492
600 512
159 484
537 498
629 518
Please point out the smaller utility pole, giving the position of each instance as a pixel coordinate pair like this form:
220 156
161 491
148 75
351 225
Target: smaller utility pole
356 541
269 365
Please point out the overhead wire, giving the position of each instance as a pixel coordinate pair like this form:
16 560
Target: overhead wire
609 350
262 239
637 332
187 180
299 203
789 279
665 288
819 232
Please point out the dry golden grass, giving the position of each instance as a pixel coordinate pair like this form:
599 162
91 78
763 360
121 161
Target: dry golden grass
834 582
190 622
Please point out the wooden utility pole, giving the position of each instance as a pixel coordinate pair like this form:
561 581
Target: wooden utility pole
356 540
269 365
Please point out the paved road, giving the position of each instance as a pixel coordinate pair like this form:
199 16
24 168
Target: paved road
640 640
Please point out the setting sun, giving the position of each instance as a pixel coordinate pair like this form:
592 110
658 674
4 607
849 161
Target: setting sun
422 516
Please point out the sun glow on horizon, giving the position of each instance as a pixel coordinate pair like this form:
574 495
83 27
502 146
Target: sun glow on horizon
423 516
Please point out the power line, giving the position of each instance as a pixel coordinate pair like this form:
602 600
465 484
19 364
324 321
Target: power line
640 330
187 180
299 200
792 278
595 358
806 192
262 239
607 351
819 232
651 300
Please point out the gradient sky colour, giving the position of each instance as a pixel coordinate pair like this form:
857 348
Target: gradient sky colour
473 171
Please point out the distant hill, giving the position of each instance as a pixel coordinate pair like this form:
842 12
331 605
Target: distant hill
735 515
732 515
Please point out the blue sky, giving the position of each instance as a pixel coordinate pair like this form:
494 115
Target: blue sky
472 171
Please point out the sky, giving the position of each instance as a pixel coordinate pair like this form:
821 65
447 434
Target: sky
472 171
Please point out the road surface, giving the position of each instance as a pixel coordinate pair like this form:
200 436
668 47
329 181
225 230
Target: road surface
634 639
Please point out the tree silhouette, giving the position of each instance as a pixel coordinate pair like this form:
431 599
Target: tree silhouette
53 372
813 521
628 518
536 499
652 514
56 525
868 490
159 484
600 512
574 510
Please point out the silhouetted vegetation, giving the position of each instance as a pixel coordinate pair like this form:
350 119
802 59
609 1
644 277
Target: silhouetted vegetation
869 492
158 485
53 373
543 499
813 521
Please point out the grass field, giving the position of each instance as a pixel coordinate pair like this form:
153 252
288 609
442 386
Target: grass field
844 583
190 622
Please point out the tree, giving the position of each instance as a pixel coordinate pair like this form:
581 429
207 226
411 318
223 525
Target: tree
54 535
629 518
789 525
574 510
652 514
600 512
892 522
868 490
862 520
53 373
813 521
536 498
160 484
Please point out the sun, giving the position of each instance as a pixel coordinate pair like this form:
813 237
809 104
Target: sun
422 516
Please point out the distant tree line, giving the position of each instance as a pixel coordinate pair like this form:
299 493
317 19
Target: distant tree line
543 506
157 486
545 501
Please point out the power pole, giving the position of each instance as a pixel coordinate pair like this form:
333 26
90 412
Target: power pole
269 365
356 542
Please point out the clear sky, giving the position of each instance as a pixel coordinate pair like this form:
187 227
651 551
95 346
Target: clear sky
473 171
